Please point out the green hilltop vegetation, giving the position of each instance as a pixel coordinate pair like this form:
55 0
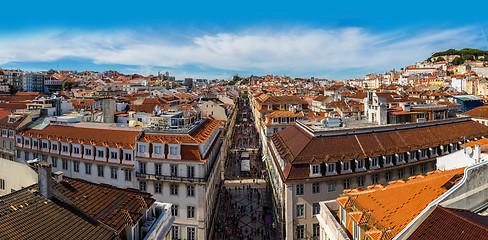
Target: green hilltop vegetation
464 54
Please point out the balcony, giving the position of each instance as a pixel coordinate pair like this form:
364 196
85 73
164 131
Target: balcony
146 176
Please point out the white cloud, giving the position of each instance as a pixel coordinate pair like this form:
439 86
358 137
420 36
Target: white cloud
296 50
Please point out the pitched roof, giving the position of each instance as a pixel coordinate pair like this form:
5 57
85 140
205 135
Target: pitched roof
265 99
298 146
25 214
90 136
479 112
449 223
115 207
395 205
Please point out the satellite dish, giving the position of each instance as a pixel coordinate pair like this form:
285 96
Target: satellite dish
469 150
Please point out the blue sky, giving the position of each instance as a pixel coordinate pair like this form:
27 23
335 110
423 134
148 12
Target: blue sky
216 39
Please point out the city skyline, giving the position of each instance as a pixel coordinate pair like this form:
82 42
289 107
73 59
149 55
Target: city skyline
217 40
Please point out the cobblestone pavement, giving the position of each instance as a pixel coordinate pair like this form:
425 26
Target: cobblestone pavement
244 210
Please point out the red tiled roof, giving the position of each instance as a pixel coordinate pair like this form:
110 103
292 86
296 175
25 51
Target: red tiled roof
90 136
447 223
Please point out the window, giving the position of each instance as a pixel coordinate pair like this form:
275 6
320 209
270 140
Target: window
113 172
113 155
283 120
283 106
19 141
2 184
361 181
190 191
316 230
331 187
374 179
158 149
26 142
275 120
173 150
100 153
315 187
157 169
34 142
388 176
157 187
423 153
316 169
300 232
331 167
142 186
44 145
346 165
76 166
142 148
346 183
174 210
388 160
4 143
174 170
65 164
142 167
55 161
88 168
100 170
76 150
190 233
423 168
173 189
374 162
191 171
128 156
360 163
401 157
292 119
400 173
300 210
128 175
190 212
65 148
88 152
299 189
315 208
175 230
412 170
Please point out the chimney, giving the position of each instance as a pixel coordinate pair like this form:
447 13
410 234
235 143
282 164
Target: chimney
58 176
44 179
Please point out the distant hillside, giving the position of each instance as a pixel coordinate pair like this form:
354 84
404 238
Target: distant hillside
459 56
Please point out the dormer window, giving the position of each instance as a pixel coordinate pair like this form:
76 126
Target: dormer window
401 157
423 153
88 151
142 148
374 162
76 150
158 149
65 148
173 150
275 120
283 106
360 163
346 166
315 168
331 167
389 160
283 120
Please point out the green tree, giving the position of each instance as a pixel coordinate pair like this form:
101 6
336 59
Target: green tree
67 85
457 61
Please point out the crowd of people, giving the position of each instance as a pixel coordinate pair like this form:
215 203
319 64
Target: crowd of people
243 207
